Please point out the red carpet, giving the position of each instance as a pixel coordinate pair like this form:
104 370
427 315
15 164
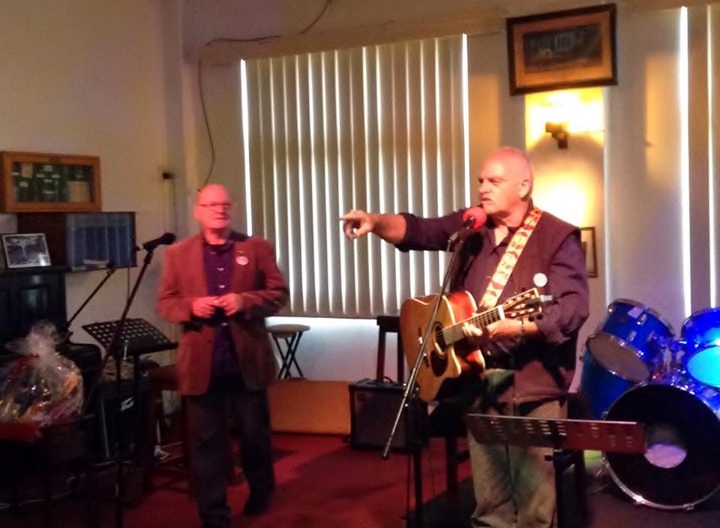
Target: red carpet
323 483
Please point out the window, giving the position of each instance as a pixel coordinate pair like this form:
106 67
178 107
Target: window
380 128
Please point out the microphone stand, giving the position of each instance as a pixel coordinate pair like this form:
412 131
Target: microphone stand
108 274
66 339
410 385
454 243
113 350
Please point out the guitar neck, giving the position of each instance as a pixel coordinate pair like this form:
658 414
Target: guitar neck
453 334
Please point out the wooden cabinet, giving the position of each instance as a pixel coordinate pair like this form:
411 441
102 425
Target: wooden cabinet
33 182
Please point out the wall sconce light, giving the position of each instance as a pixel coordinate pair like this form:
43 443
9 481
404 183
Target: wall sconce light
559 132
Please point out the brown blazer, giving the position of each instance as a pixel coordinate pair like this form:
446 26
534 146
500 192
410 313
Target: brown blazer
256 277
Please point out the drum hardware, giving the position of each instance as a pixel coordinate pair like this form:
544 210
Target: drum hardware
600 476
668 360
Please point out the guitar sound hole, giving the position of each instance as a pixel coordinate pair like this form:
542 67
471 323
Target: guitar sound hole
438 358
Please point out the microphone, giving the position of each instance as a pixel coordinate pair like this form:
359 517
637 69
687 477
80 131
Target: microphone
165 239
473 219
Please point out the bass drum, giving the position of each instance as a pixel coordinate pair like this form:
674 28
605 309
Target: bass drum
681 464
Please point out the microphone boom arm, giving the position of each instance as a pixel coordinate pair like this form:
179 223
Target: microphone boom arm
108 274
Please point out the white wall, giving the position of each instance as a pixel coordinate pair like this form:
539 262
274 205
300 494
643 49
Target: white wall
89 78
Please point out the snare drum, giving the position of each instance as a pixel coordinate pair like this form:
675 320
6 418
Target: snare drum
631 340
700 337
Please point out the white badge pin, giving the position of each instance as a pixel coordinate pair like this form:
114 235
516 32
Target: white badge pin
242 260
540 280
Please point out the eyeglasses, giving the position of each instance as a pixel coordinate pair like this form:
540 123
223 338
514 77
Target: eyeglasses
216 205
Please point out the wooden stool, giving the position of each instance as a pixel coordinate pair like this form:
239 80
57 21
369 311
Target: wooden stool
389 324
290 334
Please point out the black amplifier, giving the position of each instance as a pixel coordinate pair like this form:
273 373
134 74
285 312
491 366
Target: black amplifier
374 404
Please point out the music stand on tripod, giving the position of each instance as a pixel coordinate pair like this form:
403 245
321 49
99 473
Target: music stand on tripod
563 436
137 336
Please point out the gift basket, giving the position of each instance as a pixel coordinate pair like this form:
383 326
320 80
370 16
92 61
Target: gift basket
40 387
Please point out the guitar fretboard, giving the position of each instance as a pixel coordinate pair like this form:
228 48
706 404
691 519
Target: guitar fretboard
453 334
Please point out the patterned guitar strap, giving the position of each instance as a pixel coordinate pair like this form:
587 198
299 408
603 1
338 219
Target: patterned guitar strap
505 268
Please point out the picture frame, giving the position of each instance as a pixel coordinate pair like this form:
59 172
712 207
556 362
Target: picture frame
35 182
563 49
587 240
25 250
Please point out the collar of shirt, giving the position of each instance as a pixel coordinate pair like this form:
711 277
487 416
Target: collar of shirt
218 248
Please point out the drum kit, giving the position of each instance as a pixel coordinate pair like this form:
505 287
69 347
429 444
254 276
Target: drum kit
634 369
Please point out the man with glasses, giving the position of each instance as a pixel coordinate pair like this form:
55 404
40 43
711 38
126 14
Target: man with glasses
220 285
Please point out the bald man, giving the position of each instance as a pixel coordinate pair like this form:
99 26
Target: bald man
527 363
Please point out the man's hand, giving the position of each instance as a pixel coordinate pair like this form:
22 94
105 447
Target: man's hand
356 224
501 329
204 307
469 330
230 303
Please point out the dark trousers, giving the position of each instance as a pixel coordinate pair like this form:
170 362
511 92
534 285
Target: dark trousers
208 418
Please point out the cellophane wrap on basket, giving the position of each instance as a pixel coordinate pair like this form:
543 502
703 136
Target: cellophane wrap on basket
41 385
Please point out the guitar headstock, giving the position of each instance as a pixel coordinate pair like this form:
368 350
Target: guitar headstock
528 302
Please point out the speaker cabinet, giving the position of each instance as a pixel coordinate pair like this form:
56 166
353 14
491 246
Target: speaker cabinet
124 425
374 405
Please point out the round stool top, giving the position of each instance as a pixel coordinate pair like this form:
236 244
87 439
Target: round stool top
287 330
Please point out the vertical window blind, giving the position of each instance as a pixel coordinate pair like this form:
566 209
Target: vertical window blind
380 128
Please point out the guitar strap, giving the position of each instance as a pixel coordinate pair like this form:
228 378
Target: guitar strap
507 262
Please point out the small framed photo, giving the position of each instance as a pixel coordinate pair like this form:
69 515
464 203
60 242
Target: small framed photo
25 250
587 240
563 49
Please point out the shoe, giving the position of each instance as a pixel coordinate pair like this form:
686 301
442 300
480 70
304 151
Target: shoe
257 503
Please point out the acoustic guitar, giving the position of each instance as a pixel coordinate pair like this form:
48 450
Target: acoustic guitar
446 345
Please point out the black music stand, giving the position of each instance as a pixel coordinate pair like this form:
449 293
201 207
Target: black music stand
562 435
134 337
137 336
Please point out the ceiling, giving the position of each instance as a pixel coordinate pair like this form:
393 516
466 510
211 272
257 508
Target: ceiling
226 30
